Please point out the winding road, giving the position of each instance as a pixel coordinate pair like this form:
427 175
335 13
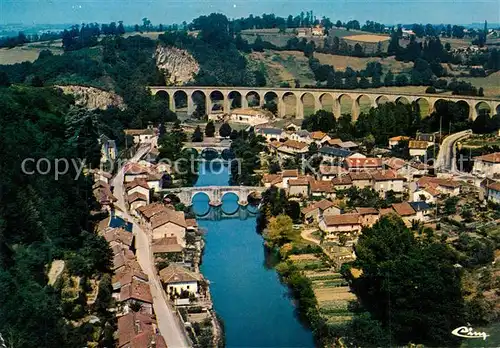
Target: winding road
445 161
168 323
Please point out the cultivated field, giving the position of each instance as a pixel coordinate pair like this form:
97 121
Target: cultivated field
491 84
28 52
370 38
356 63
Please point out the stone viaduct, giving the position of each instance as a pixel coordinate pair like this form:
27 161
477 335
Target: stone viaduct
335 98
215 193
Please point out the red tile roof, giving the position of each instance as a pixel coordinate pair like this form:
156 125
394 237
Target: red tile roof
327 169
137 330
399 138
342 180
418 144
318 135
403 209
166 216
321 186
360 175
492 157
298 182
366 163
136 196
394 163
135 169
366 211
494 186
290 173
294 144
386 175
150 210
344 219
136 182
118 235
136 290
166 245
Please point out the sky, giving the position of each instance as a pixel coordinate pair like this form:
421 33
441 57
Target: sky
176 11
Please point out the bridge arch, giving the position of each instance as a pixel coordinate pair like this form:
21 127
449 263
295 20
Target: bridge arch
403 100
234 100
497 109
289 102
216 101
424 106
253 98
180 100
200 202
198 103
345 101
481 107
363 103
308 104
382 99
327 102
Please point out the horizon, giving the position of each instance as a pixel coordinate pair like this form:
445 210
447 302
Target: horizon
389 12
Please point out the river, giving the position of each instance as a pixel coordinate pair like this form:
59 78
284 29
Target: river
247 293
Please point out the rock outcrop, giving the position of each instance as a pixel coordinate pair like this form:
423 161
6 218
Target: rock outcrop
94 98
178 65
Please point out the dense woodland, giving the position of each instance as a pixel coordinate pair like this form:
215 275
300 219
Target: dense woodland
43 219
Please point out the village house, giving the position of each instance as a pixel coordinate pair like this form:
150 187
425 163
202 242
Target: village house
428 194
120 237
339 227
135 171
368 216
493 192
250 116
139 330
327 171
342 182
301 135
137 292
269 180
418 148
334 142
290 126
169 223
271 133
103 195
140 135
292 148
101 175
109 152
166 245
138 186
394 141
131 271
387 180
147 212
318 30
136 200
430 138
321 188
298 187
406 212
121 256
444 186
319 137
155 181
178 279
289 174
361 179
487 165
358 164
333 153
315 211
348 145
422 210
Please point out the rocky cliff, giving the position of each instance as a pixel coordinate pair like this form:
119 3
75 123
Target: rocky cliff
178 65
94 98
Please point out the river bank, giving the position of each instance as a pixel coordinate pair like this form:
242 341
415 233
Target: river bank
256 307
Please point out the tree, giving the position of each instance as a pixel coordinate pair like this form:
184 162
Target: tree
120 29
197 135
37 81
279 230
4 79
389 79
210 129
225 130
391 258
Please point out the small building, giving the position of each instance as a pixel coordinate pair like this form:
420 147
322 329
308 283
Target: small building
178 279
361 179
318 30
493 192
321 188
136 292
342 182
269 180
348 145
289 174
109 151
360 164
166 245
141 135
405 211
301 135
418 148
319 137
250 116
169 223
271 133
139 330
444 186
422 210
136 200
428 194
138 186
333 153
394 141
334 142
298 187
338 227
387 180
292 148
120 237
368 216
135 171
327 171
487 165
430 138
314 212
301 32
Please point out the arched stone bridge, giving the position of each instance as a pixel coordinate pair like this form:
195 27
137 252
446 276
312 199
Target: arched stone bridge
320 96
214 193
219 147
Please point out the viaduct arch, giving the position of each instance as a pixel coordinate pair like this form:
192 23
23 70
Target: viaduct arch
373 97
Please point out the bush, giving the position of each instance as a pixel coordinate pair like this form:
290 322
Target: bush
430 90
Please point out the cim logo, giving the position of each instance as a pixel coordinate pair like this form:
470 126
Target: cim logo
468 332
